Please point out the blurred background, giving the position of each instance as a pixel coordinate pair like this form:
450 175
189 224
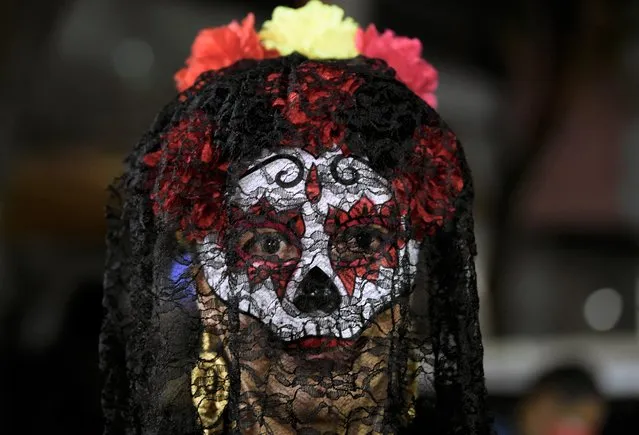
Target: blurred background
543 94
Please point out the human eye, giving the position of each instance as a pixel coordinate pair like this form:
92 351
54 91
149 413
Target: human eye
361 242
267 243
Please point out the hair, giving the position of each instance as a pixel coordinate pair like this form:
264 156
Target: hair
569 382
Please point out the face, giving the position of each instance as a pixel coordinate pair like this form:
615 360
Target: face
316 250
315 255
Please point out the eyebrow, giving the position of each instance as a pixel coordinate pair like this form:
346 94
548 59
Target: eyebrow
279 177
365 165
332 164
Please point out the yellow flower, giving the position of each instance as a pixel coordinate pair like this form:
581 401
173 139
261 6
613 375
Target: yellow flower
317 30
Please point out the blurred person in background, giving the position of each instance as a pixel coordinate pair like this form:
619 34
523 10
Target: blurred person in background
562 401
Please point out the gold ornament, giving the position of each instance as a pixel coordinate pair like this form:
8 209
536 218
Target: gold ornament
210 385
411 390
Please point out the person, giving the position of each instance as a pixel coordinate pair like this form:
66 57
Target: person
291 247
563 401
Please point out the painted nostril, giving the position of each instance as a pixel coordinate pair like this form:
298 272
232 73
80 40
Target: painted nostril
317 294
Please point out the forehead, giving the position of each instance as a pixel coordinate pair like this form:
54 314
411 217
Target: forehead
284 177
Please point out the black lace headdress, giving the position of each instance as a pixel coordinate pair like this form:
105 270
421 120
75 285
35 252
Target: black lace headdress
291 250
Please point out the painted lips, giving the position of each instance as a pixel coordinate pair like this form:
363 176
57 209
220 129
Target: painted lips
324 349
320 343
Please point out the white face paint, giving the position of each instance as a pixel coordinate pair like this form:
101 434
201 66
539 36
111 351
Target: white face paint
325 259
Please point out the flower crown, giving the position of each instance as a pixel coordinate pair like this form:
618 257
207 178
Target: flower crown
317 31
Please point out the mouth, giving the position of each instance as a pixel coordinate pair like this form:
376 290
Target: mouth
318 348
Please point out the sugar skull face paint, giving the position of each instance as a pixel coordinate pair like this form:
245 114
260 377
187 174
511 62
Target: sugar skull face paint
316 248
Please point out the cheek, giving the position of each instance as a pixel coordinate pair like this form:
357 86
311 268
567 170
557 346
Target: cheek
212 309
213 260
259 270
412 250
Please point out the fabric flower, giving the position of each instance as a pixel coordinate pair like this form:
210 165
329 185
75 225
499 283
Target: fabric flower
430 192
219 47
404 55
316 30
190 178
310 106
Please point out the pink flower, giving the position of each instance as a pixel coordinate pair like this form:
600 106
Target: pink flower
219 47
404 55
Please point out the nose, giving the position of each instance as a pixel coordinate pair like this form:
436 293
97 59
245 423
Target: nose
317 294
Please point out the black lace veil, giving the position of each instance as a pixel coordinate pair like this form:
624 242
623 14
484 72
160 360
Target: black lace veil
291 250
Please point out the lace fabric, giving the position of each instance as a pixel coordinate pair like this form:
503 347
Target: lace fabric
291 251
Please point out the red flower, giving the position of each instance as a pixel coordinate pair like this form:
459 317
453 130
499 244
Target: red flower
310 104
428 194
190 178
404 55
219 47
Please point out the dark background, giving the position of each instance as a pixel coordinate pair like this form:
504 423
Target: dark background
542 93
